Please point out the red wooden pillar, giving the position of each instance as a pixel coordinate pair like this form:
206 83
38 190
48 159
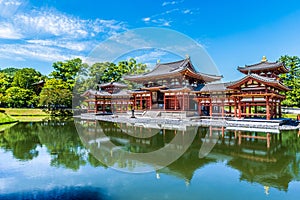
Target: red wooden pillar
96 106
249 109
210 107
188 101
150 100
235 107
134 102
275 109
164 101
183 96
240 108
222 108
279 109
175 102
141 102
200 108
268 108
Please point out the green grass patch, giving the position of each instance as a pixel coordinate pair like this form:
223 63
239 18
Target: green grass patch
4 118
292 116
31 118
25 112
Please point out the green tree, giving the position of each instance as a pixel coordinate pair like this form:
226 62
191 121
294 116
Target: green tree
67 70
115 72
5 82
24 78
292 80
10 71
56 95
17 97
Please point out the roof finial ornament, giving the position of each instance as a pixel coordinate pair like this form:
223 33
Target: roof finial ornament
264 59
158 61
187 56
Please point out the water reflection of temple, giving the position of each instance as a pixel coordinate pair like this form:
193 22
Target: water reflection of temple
274 166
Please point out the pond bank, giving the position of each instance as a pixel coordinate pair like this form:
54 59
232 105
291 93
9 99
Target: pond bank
6 119
280 124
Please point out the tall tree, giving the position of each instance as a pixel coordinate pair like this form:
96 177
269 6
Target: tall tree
115 72
292 80
67 71
56 95
24 78
5 82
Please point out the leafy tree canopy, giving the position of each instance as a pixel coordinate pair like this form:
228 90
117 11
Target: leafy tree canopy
292 80
10 71
67 70
55 95
5 82
24 78
115 72
17 97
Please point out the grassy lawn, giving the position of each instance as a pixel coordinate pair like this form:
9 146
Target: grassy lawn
30 118
24 112
292 116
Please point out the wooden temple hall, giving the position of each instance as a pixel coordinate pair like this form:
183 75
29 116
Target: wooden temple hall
179 87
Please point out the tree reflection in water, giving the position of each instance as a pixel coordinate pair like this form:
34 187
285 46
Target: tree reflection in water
272 167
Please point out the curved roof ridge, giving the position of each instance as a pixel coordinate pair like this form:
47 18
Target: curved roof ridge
263 62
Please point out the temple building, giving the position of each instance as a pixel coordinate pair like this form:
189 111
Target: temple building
169 86
179 87
111 97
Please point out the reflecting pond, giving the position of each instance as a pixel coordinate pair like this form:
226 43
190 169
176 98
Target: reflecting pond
94 160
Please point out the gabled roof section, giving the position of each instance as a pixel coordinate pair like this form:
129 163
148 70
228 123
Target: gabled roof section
112 84
264 66
90 93
215 87
93 93
162 70
262 79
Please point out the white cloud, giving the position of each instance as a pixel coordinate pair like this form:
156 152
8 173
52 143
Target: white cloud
169 3
51 22
146 19
35 51
187 11
71 45
49 35
9 7
150 57
7 31
161 22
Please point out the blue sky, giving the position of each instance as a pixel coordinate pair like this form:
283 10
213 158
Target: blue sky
36 33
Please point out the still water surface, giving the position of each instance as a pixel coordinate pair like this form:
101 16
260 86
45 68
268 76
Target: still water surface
50 160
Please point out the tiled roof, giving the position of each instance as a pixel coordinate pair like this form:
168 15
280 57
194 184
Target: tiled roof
115 84
95 93
186 89
263 66
104 93
121 93
263 79
215 87
172 68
